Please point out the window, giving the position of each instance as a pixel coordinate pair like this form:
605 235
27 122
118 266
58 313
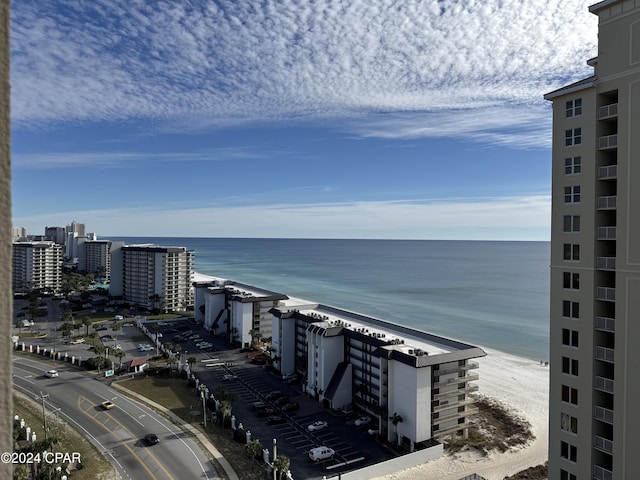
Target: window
564 475
571 251
572 194
570 366
573 166
570 337
570 309
571 223
573 136
568 423
569 395
571 280
574 108
568 451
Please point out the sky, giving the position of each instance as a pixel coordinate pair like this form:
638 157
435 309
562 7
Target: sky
417 119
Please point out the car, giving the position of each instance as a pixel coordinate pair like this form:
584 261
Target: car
282 401
170 330
127 324
276 420
106 337
273 395
76 341
321 453
108 404
317 425
151 439
229 377
101 329
51 373
363 420
258 405
118 318
117 346
290 407
266 411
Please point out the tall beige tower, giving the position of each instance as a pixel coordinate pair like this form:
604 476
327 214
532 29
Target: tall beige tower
594 414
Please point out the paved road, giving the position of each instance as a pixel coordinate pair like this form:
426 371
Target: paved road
118 433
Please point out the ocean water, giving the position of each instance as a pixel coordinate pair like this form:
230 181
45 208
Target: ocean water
491 294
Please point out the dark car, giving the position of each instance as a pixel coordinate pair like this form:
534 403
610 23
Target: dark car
266 411
276 420
290 407
282 401
151 439
106 337
100 329
273 395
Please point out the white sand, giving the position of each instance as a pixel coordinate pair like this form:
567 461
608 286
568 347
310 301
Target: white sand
518 383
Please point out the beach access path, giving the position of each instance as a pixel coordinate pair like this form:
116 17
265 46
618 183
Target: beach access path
518 383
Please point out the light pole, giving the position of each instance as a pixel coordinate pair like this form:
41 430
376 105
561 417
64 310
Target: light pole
43 397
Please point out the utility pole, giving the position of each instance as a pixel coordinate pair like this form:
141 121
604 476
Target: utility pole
43 397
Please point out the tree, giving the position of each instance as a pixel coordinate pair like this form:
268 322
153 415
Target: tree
99 349
66 329
116 327
254 449
86 321
281 464
155 299
119 354
395 420
225 410
191 361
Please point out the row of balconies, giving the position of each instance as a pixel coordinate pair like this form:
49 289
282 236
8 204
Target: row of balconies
447 404
454 415
457 391
469 377
448 371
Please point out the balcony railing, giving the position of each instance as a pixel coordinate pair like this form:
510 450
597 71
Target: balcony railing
607 142
601 473
458 391
606 233
607 203
606 263
453 429
608 111
603 444
607 294
605 323
610 172
604 414
605 354
604 384
449 371
469 377
444 405
454 415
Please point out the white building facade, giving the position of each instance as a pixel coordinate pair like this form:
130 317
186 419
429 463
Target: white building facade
37 265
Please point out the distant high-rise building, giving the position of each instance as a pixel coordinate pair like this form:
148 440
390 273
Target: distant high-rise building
95 257
56 234
594 418
75 227
18 233
37 265
153 276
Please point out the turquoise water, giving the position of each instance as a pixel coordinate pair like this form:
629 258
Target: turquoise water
492 294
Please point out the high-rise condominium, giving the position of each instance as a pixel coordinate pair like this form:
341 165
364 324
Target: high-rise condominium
594 417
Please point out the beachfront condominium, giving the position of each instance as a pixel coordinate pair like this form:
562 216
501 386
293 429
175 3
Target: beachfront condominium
595 259
95 257
152 276
36 265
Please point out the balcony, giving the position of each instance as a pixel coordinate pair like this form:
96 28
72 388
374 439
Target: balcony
455 392
445 405
449 371
603 384
606 233
455 415
453 429
607 294
469 377
608 111
605 354
603 444
606 263
603 414
600 473
605 324
608 142
607 203
610 172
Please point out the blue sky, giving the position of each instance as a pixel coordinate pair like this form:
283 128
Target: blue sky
327 118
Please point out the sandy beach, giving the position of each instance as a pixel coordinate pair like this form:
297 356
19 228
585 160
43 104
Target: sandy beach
522 385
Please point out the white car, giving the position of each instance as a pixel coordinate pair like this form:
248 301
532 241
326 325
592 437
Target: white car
117 346
51 373
317 425
364 420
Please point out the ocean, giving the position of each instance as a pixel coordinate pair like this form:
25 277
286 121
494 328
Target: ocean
493 294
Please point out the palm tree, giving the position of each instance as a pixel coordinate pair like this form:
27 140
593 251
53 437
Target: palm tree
395 420
116 327
191 361
86 321
155 299
120 354
254 449
225 409
281 464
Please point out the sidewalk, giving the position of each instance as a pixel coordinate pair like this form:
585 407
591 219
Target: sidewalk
202 438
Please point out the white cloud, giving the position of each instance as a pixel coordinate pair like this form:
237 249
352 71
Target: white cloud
205 63
512 218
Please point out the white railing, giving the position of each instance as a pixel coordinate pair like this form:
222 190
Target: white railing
606 293
603 414
608 141
604 384
607 111
610 171
606 263
604 353
603 444
600 473
606 233
606 323
607 203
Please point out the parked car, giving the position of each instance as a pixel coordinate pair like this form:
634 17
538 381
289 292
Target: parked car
258 405
229 376
282 401
51 373
321 453
101 329
266 411
106 337
290 407
151 439
273 395
317 425
276 420
361 421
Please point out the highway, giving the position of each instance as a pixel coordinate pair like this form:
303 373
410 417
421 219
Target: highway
119 432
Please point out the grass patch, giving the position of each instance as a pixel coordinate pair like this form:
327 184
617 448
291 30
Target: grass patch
175 395
95 466
494 427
